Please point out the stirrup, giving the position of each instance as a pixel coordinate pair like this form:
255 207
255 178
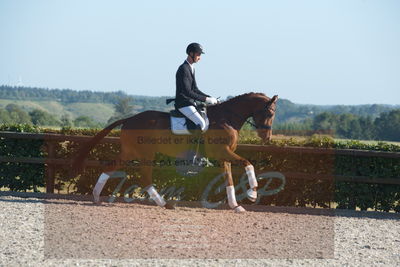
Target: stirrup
202 162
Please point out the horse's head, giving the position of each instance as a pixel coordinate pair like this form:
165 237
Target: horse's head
264 116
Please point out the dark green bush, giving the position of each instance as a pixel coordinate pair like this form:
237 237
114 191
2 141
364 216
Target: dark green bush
21 176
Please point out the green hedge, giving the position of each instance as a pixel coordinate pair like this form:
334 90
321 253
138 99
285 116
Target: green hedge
21 176
347 195
296 192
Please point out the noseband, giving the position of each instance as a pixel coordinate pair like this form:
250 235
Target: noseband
266 127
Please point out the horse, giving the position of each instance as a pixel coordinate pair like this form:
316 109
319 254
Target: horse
225 121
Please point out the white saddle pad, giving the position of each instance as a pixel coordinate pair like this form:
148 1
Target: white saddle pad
178 126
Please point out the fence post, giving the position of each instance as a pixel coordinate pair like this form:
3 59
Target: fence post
50 172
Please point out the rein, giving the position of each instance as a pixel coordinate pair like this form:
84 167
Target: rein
267 127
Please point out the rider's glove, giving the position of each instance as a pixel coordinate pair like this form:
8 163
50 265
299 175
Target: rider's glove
211 100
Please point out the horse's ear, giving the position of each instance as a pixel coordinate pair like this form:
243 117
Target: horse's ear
274 99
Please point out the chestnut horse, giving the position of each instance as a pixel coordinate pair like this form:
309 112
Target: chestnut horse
149 132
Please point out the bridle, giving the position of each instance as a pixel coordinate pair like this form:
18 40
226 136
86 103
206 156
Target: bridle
265 127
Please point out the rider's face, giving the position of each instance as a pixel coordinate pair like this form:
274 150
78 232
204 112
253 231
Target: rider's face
196 57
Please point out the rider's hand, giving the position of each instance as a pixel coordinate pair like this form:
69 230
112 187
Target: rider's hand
211 100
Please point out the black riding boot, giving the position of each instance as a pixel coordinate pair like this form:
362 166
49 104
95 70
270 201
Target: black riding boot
199 158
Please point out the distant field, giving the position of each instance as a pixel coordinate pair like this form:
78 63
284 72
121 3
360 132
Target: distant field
100 112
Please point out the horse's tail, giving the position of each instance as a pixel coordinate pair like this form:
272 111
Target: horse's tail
78 162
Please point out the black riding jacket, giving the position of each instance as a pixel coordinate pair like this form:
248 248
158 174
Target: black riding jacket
186 88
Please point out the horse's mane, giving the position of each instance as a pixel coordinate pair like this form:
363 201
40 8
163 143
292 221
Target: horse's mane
234 99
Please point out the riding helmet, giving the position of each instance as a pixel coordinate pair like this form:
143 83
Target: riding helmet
194 47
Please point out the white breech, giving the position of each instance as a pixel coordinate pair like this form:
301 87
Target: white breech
191 113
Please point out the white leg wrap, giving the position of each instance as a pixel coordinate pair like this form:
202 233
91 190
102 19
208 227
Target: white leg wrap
155 196
99 186
230 192
251 175
251 194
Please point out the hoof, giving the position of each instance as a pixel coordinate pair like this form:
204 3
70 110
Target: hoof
239 209
169 206
252 195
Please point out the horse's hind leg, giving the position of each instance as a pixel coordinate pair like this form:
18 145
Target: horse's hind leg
146 172
106 174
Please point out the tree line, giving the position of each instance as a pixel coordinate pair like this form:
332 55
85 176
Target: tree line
291 112
367 122
287 111
68 96
61 95
384 127
15 114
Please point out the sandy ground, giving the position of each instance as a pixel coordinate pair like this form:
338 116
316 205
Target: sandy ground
65 232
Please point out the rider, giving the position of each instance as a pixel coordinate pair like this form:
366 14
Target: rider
187 91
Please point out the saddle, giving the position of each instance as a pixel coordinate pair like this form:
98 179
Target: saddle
181 125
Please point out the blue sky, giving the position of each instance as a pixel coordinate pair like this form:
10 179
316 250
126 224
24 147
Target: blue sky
310 52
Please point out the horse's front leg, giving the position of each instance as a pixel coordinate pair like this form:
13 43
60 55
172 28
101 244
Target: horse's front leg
230 189
249 168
